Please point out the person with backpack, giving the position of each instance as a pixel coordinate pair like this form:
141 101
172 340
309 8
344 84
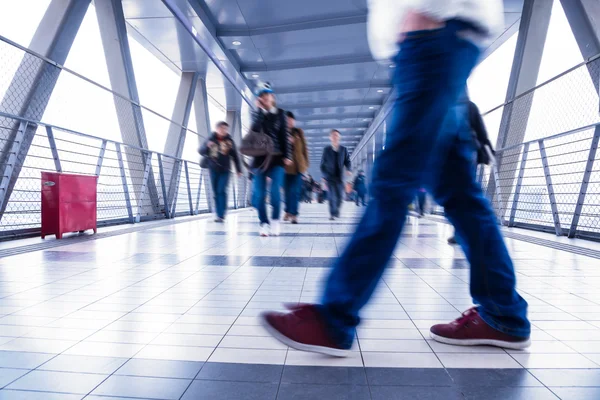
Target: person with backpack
270 120
433 45
218 152
360 187
483 151
293 172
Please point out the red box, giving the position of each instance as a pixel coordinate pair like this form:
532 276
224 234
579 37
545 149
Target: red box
68 203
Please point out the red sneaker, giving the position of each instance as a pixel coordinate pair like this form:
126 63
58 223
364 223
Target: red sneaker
471 330
302 329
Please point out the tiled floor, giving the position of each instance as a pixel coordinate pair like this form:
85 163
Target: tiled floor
171 313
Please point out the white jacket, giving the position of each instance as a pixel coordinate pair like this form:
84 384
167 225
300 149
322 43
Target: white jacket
386 16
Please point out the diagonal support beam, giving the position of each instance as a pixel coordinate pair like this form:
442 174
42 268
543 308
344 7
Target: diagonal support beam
115 42
177 133
533 31
28 94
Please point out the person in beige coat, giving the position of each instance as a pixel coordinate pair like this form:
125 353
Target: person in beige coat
293 172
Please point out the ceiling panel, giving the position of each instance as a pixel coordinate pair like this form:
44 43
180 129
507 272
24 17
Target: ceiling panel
259 13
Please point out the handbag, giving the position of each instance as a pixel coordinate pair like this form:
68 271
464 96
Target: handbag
258 144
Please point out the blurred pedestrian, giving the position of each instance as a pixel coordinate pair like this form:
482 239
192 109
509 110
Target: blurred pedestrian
335 158
294 171
429 144
218 152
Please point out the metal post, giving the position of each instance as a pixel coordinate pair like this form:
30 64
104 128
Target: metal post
53 149
164 188
199 193
209 195
233 184
10 165
550 188
100 158
589 166
189 187
124 179
513 209
174 191
498 193
144 187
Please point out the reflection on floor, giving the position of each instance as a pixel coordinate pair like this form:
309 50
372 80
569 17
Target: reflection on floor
170 312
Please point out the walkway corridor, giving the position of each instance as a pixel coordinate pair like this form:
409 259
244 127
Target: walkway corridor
168 310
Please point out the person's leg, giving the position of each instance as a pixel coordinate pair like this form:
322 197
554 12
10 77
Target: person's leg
331 193
431 71
492 280
260 192
287 189
214 185
341 193
277 175
222 189
295 182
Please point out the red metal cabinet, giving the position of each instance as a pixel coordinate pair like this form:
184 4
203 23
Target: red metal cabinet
68 203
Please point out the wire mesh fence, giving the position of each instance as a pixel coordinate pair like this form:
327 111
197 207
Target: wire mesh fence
83 125
547 171
121 199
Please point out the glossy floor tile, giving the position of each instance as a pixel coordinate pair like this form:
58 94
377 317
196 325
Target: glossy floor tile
171 312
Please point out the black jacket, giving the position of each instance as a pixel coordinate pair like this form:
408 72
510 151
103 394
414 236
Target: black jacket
274 125
360 184
219 158
328 163
480 135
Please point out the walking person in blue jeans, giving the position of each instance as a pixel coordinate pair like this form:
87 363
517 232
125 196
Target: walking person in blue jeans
272 121
293 173
218 152
428 144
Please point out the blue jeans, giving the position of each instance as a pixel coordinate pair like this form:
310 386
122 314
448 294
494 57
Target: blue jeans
219 181
428 145
260 192
292 193
335 193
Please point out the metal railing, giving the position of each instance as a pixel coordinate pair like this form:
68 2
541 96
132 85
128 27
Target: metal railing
119 199
550 182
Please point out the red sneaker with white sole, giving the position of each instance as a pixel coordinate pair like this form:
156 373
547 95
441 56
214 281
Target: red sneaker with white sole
471 330
302 329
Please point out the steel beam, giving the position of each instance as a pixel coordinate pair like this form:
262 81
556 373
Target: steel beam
177 133
189 187
513 209
28 94
113 32
163 186
124 181
201 111
307 63
589 167
11 162
101 158
368 116
53 148
334 86
334 103
144 187
550 188
297 26
533 31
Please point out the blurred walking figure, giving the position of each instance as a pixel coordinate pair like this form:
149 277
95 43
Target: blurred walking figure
294 171
421 200
483 151
360 187
218 152
272 121
335 158
428 144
